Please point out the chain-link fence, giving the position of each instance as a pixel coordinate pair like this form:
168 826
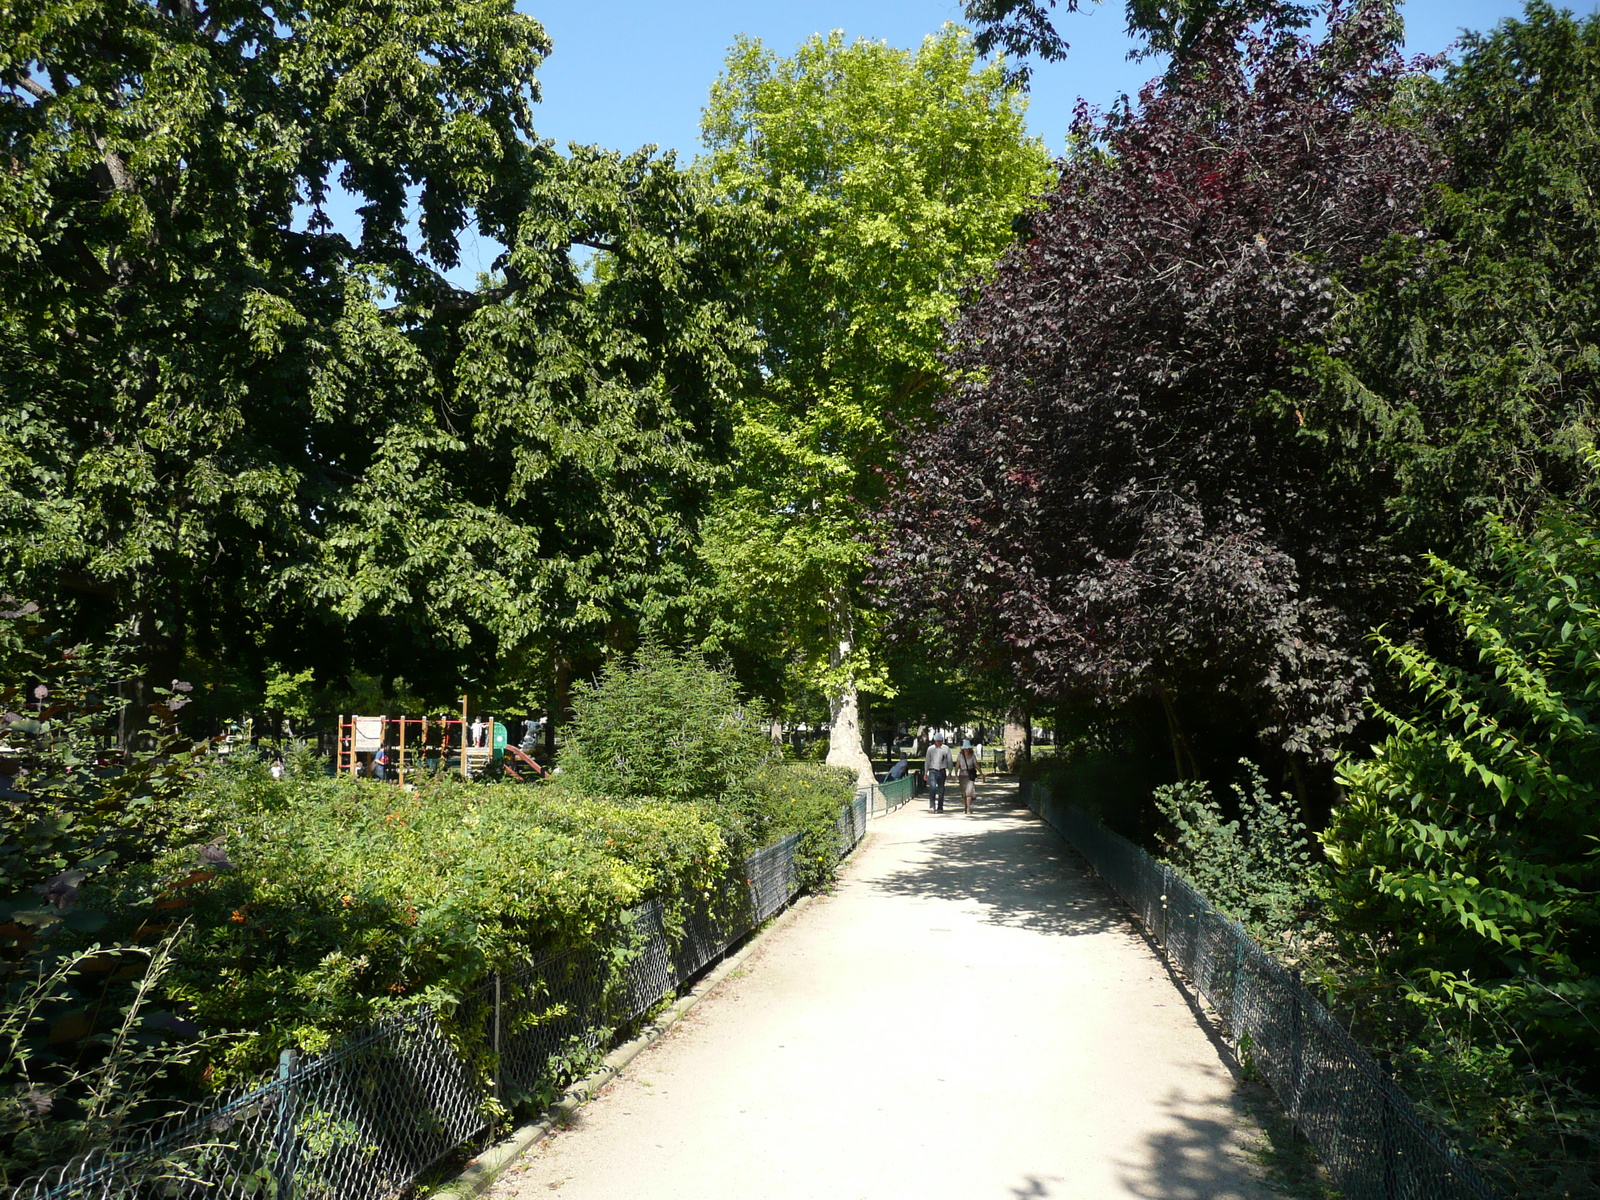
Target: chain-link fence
1368 1134
366 1120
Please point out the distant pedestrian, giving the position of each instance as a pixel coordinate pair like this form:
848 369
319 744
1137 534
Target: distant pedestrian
937 764
477 731
898 771
380 763
277 768
967 769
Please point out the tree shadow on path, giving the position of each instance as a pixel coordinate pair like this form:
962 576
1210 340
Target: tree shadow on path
1012 865
1202 1155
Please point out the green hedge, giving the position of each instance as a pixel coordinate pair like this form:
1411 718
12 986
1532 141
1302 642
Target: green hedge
341 900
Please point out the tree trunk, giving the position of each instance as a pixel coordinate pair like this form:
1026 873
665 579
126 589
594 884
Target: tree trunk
1018 739
844 705
560 700
1181 749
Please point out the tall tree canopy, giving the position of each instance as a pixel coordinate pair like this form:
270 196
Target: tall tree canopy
1142 517
1466 373
876 183
1027 28
221 407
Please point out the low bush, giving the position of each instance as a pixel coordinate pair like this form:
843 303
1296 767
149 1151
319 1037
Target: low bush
328 902
663 726
1256 868
291 912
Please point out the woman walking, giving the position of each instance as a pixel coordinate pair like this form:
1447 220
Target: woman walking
967 773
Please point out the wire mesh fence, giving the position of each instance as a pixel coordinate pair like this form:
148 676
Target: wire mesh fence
368 1119
1372 1141
884 798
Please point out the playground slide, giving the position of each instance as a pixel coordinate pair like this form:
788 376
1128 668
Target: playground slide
528 763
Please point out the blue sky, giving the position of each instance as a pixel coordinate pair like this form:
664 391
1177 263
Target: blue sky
625 73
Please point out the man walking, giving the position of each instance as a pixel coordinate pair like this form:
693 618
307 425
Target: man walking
937 766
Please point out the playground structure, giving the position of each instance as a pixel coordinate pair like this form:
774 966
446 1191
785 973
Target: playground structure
429 744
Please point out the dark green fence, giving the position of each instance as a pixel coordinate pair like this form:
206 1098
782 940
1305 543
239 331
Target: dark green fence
1368 1134
367 1119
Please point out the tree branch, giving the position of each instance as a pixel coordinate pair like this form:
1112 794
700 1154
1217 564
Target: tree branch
32 86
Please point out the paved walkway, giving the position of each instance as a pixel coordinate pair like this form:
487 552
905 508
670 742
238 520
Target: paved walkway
966 1016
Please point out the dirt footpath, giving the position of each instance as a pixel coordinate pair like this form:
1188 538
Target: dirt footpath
967 1016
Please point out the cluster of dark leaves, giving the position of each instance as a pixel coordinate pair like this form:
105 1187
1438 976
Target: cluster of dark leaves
91 1054
1137 512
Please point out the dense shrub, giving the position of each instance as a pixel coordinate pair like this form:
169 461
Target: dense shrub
1256 867
291 912
663 726
1466 866
332 901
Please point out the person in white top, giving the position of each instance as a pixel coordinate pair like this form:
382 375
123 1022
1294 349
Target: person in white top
967 775
937 764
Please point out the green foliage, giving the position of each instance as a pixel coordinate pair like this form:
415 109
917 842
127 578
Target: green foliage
875 184
341 900
1535 1133
233 410
662 726
75 812
1256 867
93 1050
803 798
1466 864
56 1106
1462 378
1472 826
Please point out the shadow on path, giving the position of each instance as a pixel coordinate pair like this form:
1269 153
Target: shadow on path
1008 862
1200 1157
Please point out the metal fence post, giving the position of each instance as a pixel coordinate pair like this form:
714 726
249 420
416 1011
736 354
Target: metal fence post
1165 915
499 1060
283 1140
1391 1184
1296 1048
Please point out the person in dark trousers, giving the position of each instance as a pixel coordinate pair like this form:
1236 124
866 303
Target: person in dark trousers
938 765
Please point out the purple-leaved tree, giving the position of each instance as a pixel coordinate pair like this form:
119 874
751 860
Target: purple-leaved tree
1117 491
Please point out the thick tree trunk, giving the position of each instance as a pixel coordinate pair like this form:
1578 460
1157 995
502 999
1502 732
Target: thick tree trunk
1018 738
844 705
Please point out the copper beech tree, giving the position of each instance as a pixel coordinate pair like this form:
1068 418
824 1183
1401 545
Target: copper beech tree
1117 494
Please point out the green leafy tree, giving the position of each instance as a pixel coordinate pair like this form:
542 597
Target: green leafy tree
1461 377
876 184
1465 867
220 406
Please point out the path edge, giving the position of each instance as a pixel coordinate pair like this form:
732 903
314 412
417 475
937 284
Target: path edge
481 1172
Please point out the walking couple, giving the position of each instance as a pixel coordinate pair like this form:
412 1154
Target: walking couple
940 763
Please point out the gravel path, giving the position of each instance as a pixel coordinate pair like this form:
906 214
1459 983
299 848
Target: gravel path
966 1016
